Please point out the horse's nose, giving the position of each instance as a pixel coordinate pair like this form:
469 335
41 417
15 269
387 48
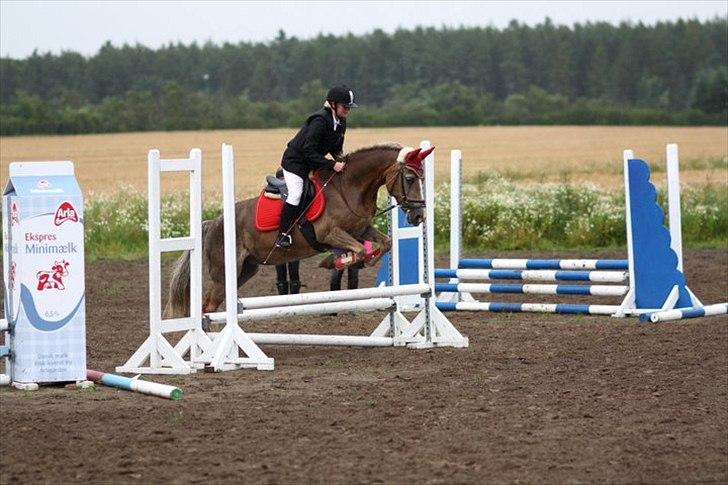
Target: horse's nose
416 217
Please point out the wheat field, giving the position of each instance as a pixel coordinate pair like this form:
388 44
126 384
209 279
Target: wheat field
530 154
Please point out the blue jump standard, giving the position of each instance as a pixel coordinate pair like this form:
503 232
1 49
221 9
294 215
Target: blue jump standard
517 274
607 264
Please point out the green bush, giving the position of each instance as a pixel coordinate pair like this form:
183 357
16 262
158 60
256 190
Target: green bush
496 214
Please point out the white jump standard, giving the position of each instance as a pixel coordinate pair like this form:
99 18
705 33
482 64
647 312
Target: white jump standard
233 347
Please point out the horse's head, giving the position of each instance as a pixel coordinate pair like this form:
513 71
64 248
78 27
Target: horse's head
406 185
60 267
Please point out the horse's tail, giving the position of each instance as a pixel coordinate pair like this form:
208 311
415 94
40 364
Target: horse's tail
178 300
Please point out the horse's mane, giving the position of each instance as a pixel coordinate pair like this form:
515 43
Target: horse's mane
379 146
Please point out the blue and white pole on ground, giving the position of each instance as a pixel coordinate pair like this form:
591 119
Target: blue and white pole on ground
682 313
135 384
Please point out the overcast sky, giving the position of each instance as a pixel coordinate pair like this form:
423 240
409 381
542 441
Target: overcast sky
83 26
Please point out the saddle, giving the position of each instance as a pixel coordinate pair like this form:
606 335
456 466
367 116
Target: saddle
275 188
271 199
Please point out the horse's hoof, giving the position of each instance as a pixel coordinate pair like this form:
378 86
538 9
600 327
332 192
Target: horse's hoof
346 260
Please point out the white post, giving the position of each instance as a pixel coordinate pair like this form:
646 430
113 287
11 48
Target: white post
455 204
231 271
674 208
629 301
155 255
673 194
196 255
428 238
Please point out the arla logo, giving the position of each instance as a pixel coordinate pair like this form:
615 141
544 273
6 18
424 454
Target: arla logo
65 213
14 213
43 184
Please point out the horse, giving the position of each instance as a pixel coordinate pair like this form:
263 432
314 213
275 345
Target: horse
351 204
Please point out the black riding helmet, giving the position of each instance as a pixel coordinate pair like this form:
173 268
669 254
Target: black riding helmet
342 94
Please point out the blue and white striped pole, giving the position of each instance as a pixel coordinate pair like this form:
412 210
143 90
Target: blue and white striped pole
569 308
682 313
535 275
593 290
135 384
603 264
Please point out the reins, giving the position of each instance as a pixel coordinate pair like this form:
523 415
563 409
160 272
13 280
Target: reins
405 204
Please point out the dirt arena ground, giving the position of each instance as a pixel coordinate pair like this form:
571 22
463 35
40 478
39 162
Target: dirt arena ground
535 399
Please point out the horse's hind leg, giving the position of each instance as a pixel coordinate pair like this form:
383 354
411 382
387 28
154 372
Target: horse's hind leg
247 271
215 291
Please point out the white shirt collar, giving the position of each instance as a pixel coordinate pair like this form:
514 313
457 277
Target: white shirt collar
336 120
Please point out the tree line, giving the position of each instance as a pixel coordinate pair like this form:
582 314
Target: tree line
593 73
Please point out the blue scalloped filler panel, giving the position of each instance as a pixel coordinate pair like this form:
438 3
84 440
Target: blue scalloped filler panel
655 263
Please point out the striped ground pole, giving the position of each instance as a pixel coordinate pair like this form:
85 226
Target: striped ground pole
569 308
534 275
681 313
605 264
593 290
136 385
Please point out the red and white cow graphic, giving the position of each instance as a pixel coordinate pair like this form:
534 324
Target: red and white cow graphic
53 279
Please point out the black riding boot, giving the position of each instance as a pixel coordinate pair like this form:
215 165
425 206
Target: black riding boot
353 278
335 279
282 287
295 287
288 215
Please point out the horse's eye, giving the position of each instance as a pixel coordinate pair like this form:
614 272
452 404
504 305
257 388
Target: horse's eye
410 179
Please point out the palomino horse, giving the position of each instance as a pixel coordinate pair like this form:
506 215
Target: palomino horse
351 198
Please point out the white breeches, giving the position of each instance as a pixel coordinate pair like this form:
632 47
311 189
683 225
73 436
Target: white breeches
295 187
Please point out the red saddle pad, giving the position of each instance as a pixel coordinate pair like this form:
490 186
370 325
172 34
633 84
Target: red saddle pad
268 211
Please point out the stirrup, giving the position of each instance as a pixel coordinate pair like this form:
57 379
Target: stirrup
285 241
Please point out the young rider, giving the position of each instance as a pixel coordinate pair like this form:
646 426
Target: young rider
322 134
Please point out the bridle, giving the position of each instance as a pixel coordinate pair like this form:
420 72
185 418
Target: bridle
406 203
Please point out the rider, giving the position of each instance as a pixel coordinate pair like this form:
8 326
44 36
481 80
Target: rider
323 133
288 271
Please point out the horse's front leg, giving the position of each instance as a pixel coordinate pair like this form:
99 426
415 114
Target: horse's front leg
341 239
377 236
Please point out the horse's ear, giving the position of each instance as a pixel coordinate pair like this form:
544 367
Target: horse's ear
423 154
411 157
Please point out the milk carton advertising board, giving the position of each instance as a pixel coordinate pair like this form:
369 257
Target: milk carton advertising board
43 268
